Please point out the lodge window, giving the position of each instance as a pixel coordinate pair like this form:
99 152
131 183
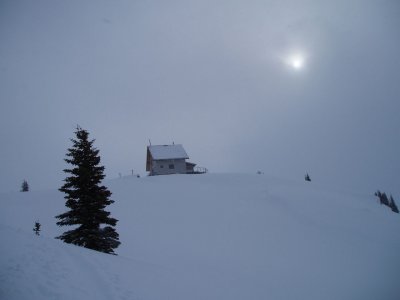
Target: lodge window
171 166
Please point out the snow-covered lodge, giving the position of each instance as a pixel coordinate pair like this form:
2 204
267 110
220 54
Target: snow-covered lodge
169 159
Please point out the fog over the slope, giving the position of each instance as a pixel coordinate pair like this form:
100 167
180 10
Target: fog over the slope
210 75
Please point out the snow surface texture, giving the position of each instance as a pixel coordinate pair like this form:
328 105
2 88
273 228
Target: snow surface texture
213 236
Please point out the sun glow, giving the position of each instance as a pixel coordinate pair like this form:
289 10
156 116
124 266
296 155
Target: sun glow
296 61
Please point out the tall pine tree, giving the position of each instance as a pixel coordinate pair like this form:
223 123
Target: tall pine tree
87 199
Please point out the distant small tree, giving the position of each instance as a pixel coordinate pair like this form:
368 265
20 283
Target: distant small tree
24 186
383 199
36 228
379 195
393 205
307 177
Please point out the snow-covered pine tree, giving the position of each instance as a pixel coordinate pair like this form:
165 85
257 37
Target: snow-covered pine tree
87 199
24 186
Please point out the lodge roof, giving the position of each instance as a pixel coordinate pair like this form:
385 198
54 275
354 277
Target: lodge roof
167 152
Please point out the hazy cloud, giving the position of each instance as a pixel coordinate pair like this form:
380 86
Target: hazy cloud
210 75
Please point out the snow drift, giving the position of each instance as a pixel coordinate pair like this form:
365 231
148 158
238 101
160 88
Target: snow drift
214 236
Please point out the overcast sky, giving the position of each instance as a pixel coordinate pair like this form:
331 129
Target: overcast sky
214 76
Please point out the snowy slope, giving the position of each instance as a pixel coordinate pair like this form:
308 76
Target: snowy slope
214 236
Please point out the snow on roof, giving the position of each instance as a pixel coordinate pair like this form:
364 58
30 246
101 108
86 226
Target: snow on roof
167 152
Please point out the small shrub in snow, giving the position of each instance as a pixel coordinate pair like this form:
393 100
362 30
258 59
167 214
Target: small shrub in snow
36 228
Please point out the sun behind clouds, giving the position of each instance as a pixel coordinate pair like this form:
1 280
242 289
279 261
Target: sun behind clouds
296 61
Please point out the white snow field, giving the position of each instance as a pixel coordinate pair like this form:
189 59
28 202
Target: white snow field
213 236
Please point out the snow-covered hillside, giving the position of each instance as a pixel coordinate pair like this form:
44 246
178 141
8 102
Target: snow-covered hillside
214 236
